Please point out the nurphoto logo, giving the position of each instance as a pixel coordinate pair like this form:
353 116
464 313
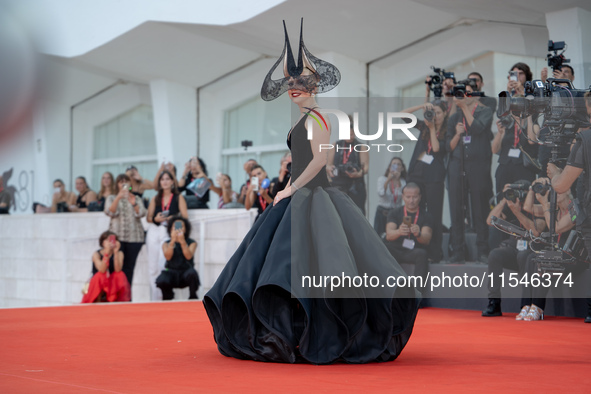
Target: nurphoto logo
344 127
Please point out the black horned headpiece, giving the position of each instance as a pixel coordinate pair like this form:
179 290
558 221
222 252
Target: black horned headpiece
310 74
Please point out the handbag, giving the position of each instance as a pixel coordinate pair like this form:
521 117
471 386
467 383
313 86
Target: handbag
530 163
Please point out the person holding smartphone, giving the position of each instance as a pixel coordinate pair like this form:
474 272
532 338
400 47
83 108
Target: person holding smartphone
179 270
126 210
408 233
389 192
108 282
346 168
519 74
258 194
195 182
165 204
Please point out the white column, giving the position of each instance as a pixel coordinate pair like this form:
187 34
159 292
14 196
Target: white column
573 26
175 121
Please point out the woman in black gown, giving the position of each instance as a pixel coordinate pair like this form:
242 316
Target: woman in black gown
260 307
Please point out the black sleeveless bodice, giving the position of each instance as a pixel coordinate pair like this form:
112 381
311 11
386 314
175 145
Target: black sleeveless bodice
301 156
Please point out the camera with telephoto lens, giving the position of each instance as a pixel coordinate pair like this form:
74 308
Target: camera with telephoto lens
459 91
507 121
541 188
343 169
555 59
436 80
516 191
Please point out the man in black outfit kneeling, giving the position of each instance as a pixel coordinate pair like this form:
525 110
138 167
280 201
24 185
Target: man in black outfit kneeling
408 232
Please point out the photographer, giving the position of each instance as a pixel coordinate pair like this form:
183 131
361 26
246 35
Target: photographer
390 187
179 271
258 195
126 210
409 231
427 167
468 141
279 183
248 166
164 205
489 102
519 74
534 298
346 168
195 183
515 145
511 253
579 162
566 72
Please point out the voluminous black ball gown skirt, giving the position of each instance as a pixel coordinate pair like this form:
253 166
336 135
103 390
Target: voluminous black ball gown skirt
257 314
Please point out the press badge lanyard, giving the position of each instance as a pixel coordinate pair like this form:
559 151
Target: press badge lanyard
167 206
516 139
346 155
263 202
394 193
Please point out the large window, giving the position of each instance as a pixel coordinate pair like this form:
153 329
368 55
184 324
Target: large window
125 140
266 124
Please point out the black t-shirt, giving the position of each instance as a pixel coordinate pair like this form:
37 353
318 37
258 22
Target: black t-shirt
420 171
179 262
489 102
277 186
346 156
172 207
479 132
260 203
111 268
201 201
396 215
508 143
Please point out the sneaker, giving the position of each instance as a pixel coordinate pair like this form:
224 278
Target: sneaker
523 313
483 259
588 318
535 313
493 308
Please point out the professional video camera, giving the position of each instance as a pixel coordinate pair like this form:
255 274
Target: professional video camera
556 60
563 108
436 80
550 257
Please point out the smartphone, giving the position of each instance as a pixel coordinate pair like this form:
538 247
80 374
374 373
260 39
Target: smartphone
513 75
255 183
112 240
165 213
178 225
406 220
394 167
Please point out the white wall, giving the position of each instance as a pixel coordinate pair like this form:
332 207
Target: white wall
46 259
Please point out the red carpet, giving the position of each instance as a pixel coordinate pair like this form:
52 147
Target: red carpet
169 347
